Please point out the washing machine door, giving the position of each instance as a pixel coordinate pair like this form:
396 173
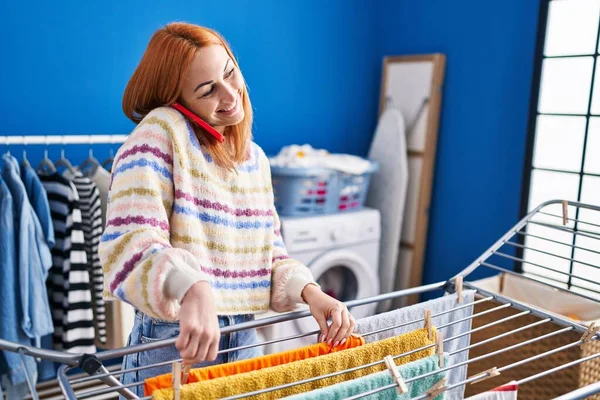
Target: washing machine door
344 275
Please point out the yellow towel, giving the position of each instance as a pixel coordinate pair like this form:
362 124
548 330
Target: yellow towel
299 370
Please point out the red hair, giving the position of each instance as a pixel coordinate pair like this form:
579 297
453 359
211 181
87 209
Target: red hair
158 80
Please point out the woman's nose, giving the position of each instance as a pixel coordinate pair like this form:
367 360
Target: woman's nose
229 93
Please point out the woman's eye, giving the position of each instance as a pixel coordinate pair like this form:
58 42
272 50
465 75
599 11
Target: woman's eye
211 91
229 73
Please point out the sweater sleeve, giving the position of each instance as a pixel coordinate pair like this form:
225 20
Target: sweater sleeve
288 276
140 265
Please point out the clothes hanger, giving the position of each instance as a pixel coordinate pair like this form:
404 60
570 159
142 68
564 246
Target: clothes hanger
63 161
46 166
25 163
90 162
111 158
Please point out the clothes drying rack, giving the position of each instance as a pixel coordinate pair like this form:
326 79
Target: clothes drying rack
549 215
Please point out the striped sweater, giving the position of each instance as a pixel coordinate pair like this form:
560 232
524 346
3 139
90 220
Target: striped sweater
175 218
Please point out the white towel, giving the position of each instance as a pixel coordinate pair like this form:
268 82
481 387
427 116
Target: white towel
504 392
306 156
414 312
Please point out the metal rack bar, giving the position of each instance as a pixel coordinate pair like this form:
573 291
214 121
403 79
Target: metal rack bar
489 325
519 226
568 219
562 289
508 256
551 254
387 328
580 232
582 393
560 367
505 334
62 139
557 242
270 320
51 355
538 312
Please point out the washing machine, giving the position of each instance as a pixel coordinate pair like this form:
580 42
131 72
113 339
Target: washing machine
342 251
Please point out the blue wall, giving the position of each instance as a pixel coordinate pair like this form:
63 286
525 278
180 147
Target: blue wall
314 69
490 52
309 64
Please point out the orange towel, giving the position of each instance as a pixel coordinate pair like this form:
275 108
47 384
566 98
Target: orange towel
253 364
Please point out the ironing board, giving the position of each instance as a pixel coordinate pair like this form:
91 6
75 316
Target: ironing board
387 192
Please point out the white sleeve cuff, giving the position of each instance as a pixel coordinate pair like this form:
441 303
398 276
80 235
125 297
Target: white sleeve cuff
295 286
178 282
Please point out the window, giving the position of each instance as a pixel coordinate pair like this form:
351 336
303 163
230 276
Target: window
563 150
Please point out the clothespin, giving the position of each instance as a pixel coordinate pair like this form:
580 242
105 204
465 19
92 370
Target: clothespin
490 373
565 212
437 389
428 324
176 379
186 374
458 286
439 347
396 376
590 333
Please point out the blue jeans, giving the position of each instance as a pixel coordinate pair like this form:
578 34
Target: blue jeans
147 329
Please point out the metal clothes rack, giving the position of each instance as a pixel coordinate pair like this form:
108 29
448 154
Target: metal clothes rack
61 139
541 224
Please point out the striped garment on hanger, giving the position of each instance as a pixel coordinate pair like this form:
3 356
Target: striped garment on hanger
69 281
91 214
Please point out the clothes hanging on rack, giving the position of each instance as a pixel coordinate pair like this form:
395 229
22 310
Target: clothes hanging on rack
115 336
377 380
504 392
12 370
39 201
33 257
101 178
253 364
89 200
68 283
309 368
440 305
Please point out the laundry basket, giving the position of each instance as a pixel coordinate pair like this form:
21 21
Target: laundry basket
303 191
542 296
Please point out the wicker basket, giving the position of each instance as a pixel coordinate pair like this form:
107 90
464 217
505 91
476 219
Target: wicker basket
548 387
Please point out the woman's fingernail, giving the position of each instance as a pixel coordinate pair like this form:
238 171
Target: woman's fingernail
343 341
322 338
336 343
329 342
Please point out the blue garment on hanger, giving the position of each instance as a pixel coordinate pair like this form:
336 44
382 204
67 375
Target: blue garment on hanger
33 257
38 199
10 302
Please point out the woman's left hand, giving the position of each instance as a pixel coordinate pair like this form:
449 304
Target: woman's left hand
323 307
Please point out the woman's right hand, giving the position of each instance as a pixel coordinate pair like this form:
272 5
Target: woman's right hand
200 334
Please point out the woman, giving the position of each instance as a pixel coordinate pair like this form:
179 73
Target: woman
192 237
